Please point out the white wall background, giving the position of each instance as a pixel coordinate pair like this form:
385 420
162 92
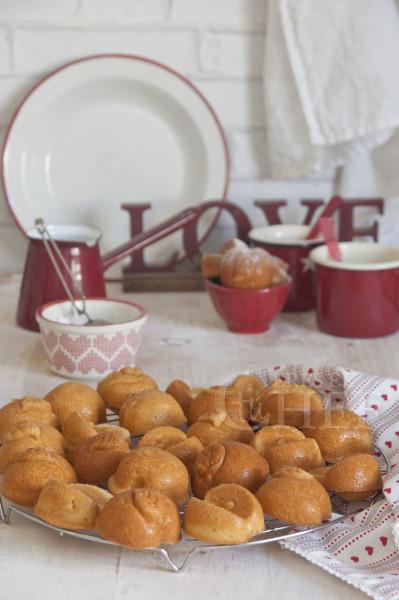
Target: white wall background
216 43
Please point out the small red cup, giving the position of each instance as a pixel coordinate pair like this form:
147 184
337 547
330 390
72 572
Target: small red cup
288 242
358 297
248 311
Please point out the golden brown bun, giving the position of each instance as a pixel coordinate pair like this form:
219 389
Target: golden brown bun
71 397
26 477
77 430
235 243
28 408
294 472
246 268
182 393
151 468
295 497
98 458
287 404
29 434
304 454
140 518
354 478
118 386
219 427
266 438
65 506
339 433
162 437
147 410
320 474
197 390
250 388
187 451
249 268
121 432
210 265
214 399
99 495
229 514
174 441
231 462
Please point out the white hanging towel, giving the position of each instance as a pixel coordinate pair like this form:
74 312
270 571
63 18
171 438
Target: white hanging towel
331 82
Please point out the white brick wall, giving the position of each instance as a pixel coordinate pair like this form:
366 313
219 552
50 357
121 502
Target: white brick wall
5 52
238 103
236 14
49 48
136 11
217 43
40 11
12 89
232 54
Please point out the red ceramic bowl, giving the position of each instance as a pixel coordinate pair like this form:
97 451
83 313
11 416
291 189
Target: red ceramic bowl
248 311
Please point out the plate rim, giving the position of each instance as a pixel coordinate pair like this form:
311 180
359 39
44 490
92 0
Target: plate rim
135 57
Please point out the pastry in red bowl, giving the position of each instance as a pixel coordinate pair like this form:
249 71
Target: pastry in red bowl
248 287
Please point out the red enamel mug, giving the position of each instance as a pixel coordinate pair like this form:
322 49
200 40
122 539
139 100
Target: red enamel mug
288 242
358 297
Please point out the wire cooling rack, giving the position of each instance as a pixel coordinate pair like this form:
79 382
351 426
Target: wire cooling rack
177 556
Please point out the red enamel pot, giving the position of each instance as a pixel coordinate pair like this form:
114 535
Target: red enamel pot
79 245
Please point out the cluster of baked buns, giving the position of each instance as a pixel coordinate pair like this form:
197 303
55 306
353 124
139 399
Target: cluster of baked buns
238 266
223 457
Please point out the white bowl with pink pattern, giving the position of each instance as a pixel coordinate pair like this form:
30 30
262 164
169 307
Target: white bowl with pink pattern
91 351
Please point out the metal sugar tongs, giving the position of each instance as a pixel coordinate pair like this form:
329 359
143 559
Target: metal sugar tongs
53 251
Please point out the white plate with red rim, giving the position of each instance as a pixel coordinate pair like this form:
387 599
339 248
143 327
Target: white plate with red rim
113 129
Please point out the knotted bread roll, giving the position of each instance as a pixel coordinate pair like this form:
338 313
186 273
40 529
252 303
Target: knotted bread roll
71 397
28 408
294 496
71 506
339 433
140 518
29 434
287 404
151 468
229 514
116 387
230 462
25 478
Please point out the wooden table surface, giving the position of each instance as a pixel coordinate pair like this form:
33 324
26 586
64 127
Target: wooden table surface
184 338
